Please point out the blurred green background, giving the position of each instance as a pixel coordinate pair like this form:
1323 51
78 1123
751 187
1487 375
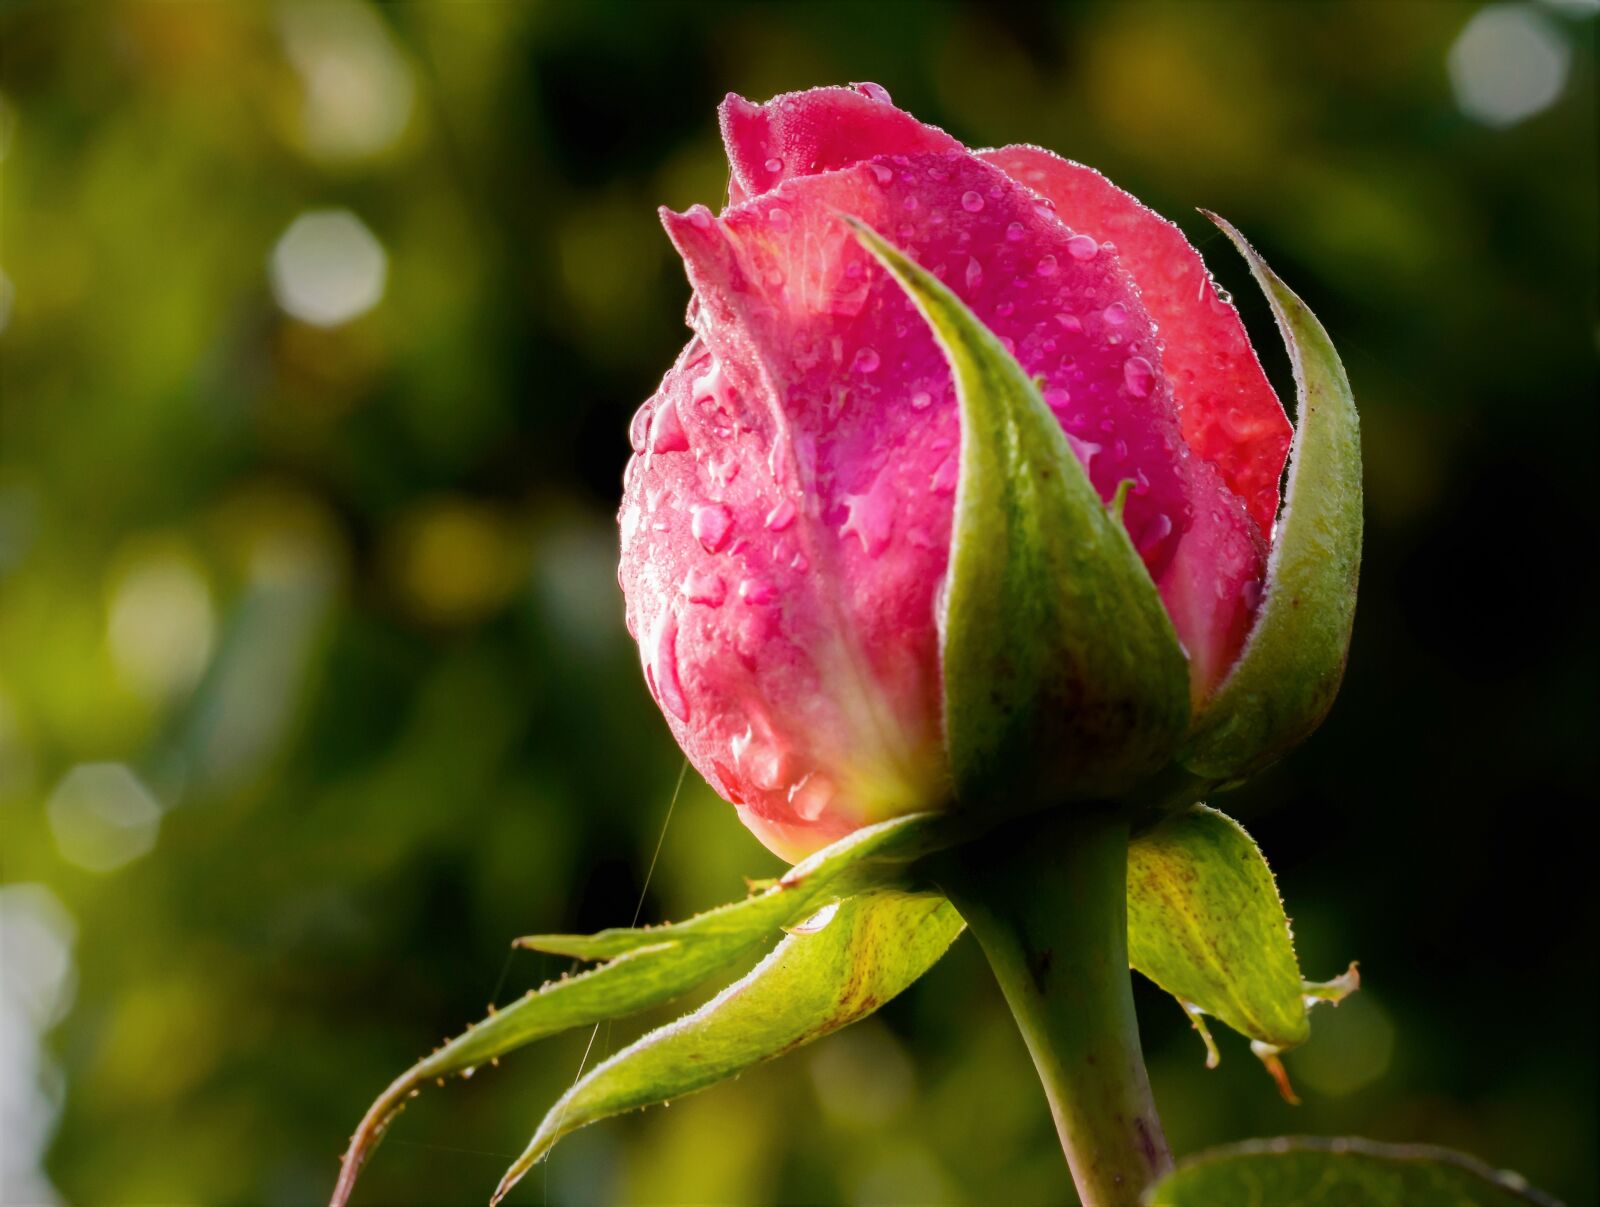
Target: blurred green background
320 328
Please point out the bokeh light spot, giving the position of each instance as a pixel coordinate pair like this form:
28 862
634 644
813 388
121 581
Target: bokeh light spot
1351 1047
358 90
102 816
159 625
455 561
328 268
1507 65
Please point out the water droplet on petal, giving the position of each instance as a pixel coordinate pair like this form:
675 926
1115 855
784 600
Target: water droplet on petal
1084 450
757 591
774 165
778 218
971 201
1137 375
1057 398
882 173
781 516
1116 314
876 91
699 217
1014 232
711 524
1070 322
1046 267
662 670
921 400
974 270
666 430
639 428
1082 247
705 587
811 796
867 360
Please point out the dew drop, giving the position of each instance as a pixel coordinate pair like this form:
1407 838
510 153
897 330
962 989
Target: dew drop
666 430
778 218
1046 267
699 217
1138 375
866 360
1116 314
974 269
910 203
1082 247
811 796
971 201
921 400
639 429
1014 232
663 668
757 591
781 516
1069 322
711 523
1057 398
882 173
876 91
774 165
705 587
816 921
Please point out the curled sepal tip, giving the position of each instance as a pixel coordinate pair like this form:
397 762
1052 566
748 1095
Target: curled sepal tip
1289 671
1063 676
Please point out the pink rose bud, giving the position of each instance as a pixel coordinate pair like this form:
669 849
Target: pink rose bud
787 517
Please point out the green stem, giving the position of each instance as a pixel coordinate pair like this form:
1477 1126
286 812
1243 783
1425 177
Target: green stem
1047 900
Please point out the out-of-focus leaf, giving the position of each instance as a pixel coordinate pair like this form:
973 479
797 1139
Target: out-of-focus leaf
1206 924
1290 668
1062 672
869 857
839 966
1314 1172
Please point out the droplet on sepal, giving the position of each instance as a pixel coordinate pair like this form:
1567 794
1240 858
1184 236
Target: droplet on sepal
815 922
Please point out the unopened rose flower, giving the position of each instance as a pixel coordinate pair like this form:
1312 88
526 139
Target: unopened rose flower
787 517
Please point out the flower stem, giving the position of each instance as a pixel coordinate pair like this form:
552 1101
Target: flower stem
1047 900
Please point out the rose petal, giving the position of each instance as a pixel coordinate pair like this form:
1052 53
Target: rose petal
1230 415
802 133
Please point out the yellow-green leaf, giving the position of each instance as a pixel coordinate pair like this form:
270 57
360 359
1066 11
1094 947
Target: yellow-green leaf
837 967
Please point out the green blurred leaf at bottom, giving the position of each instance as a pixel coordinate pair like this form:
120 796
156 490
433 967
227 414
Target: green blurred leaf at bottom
835 968
1315 1172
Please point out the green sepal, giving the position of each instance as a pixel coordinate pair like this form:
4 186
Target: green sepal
873 856
652 965
1063 676
1286 677
1316 1172
1205 922
840 966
